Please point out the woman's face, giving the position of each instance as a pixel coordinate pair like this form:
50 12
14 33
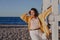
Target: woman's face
32 13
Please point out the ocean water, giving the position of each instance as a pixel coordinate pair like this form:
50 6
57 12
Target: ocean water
12 20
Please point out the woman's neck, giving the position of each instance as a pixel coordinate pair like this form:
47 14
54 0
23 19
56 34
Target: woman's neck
34 17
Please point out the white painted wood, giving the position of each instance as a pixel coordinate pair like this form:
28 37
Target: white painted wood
58 1
58 19
52 18
46 4
55 24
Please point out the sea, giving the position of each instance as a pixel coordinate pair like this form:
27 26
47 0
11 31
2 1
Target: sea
12 21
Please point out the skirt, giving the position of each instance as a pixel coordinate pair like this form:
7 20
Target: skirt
37 35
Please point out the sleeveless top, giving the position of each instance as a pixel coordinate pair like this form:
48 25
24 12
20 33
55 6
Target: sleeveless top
34 23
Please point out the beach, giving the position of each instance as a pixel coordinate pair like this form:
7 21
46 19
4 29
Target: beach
9 32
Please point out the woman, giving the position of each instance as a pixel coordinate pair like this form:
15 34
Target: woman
37 27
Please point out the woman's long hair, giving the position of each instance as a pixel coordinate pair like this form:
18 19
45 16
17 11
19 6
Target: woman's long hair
35 10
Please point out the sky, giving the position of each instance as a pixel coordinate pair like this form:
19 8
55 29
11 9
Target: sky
15 8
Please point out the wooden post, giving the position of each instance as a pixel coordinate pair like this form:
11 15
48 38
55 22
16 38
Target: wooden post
54 23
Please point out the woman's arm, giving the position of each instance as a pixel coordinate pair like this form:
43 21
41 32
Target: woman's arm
25 17
46 12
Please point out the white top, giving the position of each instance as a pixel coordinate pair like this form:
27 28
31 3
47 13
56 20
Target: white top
34 23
